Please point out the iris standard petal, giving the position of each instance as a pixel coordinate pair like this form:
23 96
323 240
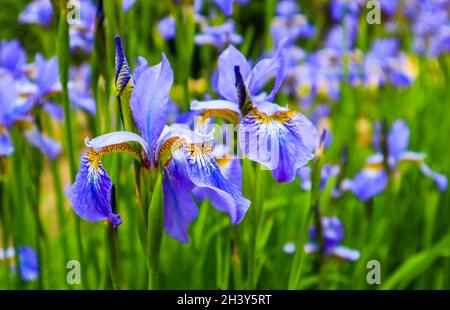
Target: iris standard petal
179 207
266 69
226 6
440 179
12 57
91 192
230 58
277 141
398 139
123 74
47 77
141 66
149 101
46 145
6 146
204 172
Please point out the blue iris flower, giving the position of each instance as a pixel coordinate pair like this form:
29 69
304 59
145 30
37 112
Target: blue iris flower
186 157
373 179
333 234
431 26
218 36
28 261
37 12
15 110
290 23
278 138
167 27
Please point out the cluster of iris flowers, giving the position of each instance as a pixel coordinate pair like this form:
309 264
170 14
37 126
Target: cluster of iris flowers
183 153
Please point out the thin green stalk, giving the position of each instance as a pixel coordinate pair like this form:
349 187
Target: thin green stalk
63 59
154 232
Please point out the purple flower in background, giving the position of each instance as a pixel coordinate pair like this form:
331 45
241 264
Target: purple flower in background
219 36
28 261
328 171
333 235
185 156
80 89
431 26
342 8
12 58
16 110
166 27
45 75
373 179
37 12
290 23
81 32
274 136
342 37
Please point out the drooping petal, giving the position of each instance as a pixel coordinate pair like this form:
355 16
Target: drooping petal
204 172
29 263
179 207
230 58
368 183
266 69
214 105
6 146
346 253
278 141
116 137
123 74
46 145
91 192
54 110
398 139
440 179
304 174
218 108
83 101
410 156
149 101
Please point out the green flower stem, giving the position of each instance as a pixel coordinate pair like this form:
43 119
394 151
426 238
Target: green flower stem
63 58
154 231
